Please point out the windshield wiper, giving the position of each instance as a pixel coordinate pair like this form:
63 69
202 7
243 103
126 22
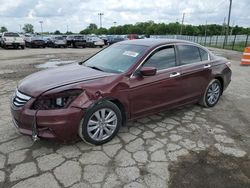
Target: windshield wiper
96 68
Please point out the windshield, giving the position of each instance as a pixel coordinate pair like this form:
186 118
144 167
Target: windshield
11 35
116 58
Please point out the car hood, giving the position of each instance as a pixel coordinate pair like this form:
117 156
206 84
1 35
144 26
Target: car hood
42 81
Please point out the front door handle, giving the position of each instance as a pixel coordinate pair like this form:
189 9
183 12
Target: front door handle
174 74
207 66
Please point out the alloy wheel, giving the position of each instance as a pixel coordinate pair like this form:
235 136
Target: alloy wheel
213 93
102 124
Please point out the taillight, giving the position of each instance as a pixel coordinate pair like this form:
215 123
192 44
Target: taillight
228 64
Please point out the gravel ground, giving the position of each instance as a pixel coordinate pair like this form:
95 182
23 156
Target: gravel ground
187 147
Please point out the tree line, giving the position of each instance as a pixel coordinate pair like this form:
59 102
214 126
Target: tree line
152 28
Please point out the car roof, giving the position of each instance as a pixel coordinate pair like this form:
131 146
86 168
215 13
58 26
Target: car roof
154 42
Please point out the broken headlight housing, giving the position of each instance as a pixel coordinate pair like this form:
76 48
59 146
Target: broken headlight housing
56 101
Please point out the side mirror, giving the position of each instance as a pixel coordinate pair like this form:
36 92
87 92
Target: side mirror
148 71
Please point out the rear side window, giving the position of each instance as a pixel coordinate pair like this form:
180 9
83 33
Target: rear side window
189 54
204 55
162 58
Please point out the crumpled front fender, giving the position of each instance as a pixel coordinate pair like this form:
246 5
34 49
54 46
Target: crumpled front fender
87 99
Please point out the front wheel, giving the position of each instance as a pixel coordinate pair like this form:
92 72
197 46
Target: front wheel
212 94
100 123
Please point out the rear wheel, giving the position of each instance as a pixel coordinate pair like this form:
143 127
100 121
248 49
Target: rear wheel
212 94
101 123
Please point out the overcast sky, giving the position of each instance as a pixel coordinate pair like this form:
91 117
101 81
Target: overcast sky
77 14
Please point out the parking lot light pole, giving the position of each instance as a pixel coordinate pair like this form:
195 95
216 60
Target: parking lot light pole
41 22
100 14
20 25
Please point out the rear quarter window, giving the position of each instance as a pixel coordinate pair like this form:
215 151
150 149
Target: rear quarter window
204 55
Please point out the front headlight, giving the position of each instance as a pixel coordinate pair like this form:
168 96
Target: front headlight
56 101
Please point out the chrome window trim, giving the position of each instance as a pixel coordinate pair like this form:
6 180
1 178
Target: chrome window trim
178 66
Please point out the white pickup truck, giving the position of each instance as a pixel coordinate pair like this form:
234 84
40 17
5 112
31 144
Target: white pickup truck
10 39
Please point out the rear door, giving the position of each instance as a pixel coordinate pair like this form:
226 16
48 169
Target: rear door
195 69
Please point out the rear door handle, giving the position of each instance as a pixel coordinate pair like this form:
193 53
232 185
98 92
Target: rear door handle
174 74
207 66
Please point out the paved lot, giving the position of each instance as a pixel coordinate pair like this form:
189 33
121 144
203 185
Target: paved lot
187 147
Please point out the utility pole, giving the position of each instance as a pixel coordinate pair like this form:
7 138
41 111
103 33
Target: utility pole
228 21
100 14
67 28
41 22
206 33
206 29
231 33
183 17
223 26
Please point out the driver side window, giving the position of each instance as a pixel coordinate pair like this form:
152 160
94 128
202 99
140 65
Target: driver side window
162 58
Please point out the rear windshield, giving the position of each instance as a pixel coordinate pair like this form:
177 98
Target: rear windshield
59 38
79 37
11 35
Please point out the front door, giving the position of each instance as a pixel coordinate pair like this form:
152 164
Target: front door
149 93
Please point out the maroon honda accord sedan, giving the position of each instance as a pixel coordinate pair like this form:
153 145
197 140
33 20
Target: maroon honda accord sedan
128 80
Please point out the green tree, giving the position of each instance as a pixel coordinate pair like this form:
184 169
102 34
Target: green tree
3 29
92 26
28 28
69 33
57 32
85 32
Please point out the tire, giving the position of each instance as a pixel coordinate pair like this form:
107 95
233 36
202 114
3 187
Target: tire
85 126
214 89
22 47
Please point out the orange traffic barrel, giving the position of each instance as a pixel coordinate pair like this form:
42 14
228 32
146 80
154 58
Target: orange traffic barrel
245 60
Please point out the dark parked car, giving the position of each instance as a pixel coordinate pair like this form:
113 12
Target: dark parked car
35 42
76 41
115 39
125 81
57 41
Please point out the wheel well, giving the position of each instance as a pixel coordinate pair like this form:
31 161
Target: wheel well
221 81
122 109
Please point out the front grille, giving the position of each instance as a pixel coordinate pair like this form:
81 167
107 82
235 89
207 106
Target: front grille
20 99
